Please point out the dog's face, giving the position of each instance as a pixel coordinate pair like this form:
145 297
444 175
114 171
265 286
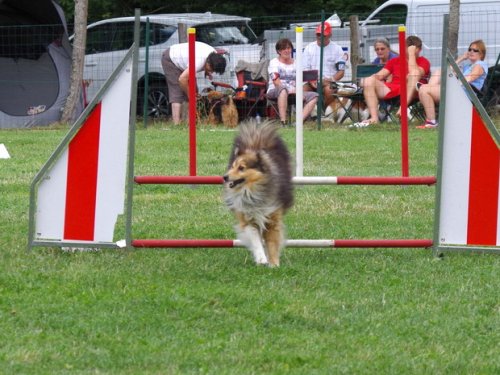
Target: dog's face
247 170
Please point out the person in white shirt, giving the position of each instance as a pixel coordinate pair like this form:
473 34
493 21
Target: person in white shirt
282 78
334 60
175 63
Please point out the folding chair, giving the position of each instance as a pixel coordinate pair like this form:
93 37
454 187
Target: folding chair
352 91
490 93
249 97
307 76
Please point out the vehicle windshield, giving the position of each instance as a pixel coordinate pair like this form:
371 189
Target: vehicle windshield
221 35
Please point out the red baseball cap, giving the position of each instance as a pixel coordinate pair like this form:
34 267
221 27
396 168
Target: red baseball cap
327 29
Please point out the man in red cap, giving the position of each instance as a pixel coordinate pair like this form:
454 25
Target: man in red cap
334 60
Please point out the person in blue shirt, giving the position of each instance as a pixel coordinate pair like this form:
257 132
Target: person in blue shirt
383 50
473 67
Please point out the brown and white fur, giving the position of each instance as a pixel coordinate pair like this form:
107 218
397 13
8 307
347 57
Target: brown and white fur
258 189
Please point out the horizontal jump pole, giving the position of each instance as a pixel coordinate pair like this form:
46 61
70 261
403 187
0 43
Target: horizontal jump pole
151 243
339 180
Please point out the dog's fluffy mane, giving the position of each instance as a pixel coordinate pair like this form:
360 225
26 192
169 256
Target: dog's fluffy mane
262 142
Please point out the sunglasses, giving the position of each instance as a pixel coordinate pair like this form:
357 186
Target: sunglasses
473 50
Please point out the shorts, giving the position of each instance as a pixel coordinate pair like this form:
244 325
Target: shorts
274 93
395 90
172 74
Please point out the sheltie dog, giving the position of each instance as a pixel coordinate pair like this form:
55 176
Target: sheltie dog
258 189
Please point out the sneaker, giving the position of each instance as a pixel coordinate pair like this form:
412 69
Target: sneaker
362 124
428 124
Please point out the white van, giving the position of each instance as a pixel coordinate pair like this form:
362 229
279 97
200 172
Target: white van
479 19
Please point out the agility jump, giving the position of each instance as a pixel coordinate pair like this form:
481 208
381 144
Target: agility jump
50 213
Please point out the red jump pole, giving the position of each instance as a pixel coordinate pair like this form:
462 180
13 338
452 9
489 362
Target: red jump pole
192 101
405 165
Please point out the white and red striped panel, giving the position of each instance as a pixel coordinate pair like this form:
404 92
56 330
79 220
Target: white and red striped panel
469 209
84 192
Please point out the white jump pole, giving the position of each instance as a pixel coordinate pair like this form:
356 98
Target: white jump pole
299 96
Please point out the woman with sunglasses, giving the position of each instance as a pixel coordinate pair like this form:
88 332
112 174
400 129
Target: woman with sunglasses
474 69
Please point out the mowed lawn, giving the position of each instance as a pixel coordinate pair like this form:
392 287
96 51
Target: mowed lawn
212 311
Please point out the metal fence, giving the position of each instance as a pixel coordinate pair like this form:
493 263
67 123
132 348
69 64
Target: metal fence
238 38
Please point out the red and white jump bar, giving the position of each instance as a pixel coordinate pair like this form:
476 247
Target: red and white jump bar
339 180
289 243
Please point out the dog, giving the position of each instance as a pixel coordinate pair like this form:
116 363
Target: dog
222 109
258 189
335 112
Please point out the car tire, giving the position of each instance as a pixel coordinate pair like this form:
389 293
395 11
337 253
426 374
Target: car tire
158 106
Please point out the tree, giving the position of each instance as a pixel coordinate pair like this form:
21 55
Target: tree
453 27
78 58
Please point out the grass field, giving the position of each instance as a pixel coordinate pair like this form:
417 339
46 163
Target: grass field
211 311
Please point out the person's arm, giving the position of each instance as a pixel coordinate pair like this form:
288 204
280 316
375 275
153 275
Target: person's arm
476 72
382 74
462 58
184 81
339 75
412 60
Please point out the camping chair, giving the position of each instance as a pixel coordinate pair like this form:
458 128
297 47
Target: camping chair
250 94
387 110
307 76
352 91
490 93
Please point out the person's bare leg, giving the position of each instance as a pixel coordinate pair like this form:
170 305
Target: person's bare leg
308 108
282 104
373 90
429 95
176 113
411 87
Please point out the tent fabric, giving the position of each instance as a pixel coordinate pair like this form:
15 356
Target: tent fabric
35 63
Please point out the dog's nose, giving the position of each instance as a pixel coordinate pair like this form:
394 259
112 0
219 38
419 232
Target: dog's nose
225 177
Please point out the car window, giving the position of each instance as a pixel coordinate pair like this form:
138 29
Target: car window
123 37
220 34
99 39
158 33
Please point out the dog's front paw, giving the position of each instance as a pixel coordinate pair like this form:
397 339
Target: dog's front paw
261 261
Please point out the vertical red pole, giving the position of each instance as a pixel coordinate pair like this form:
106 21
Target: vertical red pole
405 165
192 101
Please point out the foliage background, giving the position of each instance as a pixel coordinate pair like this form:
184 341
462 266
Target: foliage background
101 9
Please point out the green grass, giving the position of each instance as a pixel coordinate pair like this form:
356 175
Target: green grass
211 311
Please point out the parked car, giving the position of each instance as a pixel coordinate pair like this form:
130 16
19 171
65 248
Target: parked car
108 41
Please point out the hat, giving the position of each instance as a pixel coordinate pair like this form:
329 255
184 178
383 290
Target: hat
327 29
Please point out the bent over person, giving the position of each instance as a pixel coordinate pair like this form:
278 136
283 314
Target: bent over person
175 63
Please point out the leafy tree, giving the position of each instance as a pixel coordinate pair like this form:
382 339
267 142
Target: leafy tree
101 9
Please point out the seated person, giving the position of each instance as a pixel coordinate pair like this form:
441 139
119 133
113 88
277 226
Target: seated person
383 50
475 71
282 76
334 60
377 87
